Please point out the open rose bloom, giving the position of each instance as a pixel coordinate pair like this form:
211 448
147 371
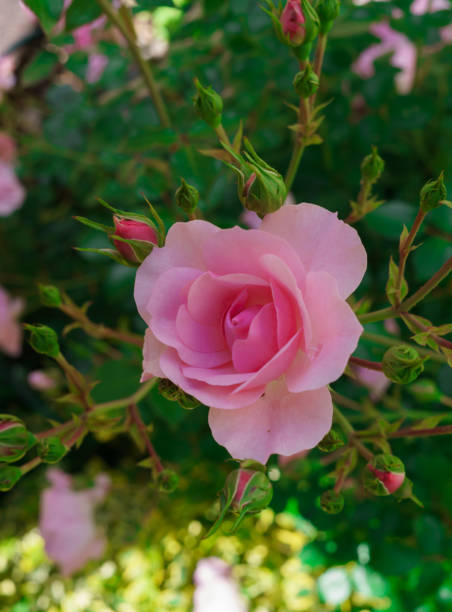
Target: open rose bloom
254 323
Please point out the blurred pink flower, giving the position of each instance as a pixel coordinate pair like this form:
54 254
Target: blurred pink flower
403 52
372 379
285 460
67 521
85 35
40 380
215 588
10 329
12 193
97 63
7 148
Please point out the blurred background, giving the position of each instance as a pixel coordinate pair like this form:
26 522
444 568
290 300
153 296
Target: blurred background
83 126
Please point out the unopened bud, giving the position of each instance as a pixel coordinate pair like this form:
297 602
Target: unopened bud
51 449
260 187
425 390
327 11
43 340
372 166
293 22
50 296
188 402
169 390
167 481
209 104
138 238
432 194
402 364
383 475
187 197
332 441
246 491
306 82
9 475
332 502
14 438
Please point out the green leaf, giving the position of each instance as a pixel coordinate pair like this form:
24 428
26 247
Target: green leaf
97 226
47 11
81 12
111 253
39 68
391 285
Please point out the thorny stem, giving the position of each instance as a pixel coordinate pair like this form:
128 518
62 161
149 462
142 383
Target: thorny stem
412 432
350 432
142 64
424 328
126 401
318 60
404 250
365 363
135 414
420 294
387 341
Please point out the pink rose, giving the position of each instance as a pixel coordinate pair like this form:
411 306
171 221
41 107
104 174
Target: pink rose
254 323
215 588
292 21
10 329
7 148
40 380
67 521
404 56
12 193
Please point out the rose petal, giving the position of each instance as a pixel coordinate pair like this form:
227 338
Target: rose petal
335 333
211 395
199 337
279 422
152 351
250 354
322 242
183 248
285 314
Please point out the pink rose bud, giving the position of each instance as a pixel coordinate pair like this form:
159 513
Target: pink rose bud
384 475
10 328
12 193
40 380
292 21
144 237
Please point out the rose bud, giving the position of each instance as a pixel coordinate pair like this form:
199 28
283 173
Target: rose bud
372 166
209 104
402 364
9 475
292 22
260 187
331 442
173 393
246 491
138 237
50 296
306 82
425 390
187 197
167 481
332 502
327 11
14 438
51 450
43 340
432 194
384 475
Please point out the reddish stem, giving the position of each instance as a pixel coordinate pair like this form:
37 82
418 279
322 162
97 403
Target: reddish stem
365 363
134 413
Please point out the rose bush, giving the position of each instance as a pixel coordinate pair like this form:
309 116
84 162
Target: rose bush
254 323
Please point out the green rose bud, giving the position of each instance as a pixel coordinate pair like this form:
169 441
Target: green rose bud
14 438
246 491
43 340
402 364
188 402
432 194
332 441
50 296
306 82
9 475
187 197
167 481
425 390
327 11
208 104
383 475
372 166
260 187
169 390
332 502
51 449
